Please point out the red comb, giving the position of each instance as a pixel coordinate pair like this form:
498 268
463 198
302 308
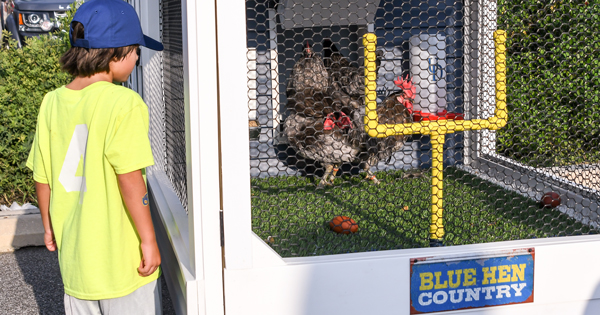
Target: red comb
406 86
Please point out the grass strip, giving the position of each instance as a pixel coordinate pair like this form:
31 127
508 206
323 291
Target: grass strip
295 213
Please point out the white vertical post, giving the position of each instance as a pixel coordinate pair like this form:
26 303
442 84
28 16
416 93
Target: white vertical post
471 57
202 156
152 87
487 89
252 85
235 151
274 63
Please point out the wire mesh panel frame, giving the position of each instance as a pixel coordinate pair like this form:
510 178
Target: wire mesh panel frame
479 95
578 201
175 121
299 286
471 82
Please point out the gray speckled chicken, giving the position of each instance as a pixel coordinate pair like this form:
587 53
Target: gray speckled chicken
345 77
327 119
321 126
395 109
331 140
308 72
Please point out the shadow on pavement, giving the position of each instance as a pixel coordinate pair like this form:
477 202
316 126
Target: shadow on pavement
30 283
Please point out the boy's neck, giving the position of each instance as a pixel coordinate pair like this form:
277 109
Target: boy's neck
80 83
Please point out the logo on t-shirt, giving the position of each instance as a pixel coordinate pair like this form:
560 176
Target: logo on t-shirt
72 172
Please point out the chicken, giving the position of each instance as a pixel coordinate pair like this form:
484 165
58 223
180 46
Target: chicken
307 86
327 121
319 127
344 77
309 72
330 140
395 109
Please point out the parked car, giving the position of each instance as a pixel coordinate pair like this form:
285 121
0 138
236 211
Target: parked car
28 18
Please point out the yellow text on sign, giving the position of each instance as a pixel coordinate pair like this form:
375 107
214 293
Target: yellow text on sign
467 277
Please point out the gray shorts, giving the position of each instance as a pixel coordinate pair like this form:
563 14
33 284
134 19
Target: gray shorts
144 301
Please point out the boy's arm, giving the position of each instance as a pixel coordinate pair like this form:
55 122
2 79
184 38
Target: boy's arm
135 196
43 196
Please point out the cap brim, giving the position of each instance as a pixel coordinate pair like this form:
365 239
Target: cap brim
152 44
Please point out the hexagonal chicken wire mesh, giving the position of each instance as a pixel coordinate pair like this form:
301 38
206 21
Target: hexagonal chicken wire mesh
173 116
322 185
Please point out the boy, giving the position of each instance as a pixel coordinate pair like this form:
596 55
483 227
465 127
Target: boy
90 149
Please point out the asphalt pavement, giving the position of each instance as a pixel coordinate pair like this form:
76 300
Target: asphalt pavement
30 283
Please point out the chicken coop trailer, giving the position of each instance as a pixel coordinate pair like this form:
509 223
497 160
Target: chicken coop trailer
289 178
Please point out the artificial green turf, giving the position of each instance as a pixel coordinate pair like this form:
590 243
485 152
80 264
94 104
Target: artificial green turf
295 213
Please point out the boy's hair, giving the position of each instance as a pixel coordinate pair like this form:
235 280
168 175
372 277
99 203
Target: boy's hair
83 62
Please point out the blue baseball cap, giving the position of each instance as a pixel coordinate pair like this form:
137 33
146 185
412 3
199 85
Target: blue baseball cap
110 24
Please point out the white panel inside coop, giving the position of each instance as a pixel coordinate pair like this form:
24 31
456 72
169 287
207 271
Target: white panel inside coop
389 69
487 88
263 100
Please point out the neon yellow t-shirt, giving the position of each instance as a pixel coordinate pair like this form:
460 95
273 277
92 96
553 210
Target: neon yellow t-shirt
83 140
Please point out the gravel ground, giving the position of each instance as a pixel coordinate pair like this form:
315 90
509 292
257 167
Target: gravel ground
30 283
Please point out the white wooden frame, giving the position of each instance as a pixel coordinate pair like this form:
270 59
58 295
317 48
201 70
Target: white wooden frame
202 153
258 281
246 276
190 243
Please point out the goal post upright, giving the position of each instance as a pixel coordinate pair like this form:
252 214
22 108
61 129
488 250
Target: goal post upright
437 129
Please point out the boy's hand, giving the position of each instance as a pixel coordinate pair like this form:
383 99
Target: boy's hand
150 259
50 241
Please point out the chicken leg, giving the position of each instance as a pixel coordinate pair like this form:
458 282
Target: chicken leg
324 180
336 168
367 168
329 176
